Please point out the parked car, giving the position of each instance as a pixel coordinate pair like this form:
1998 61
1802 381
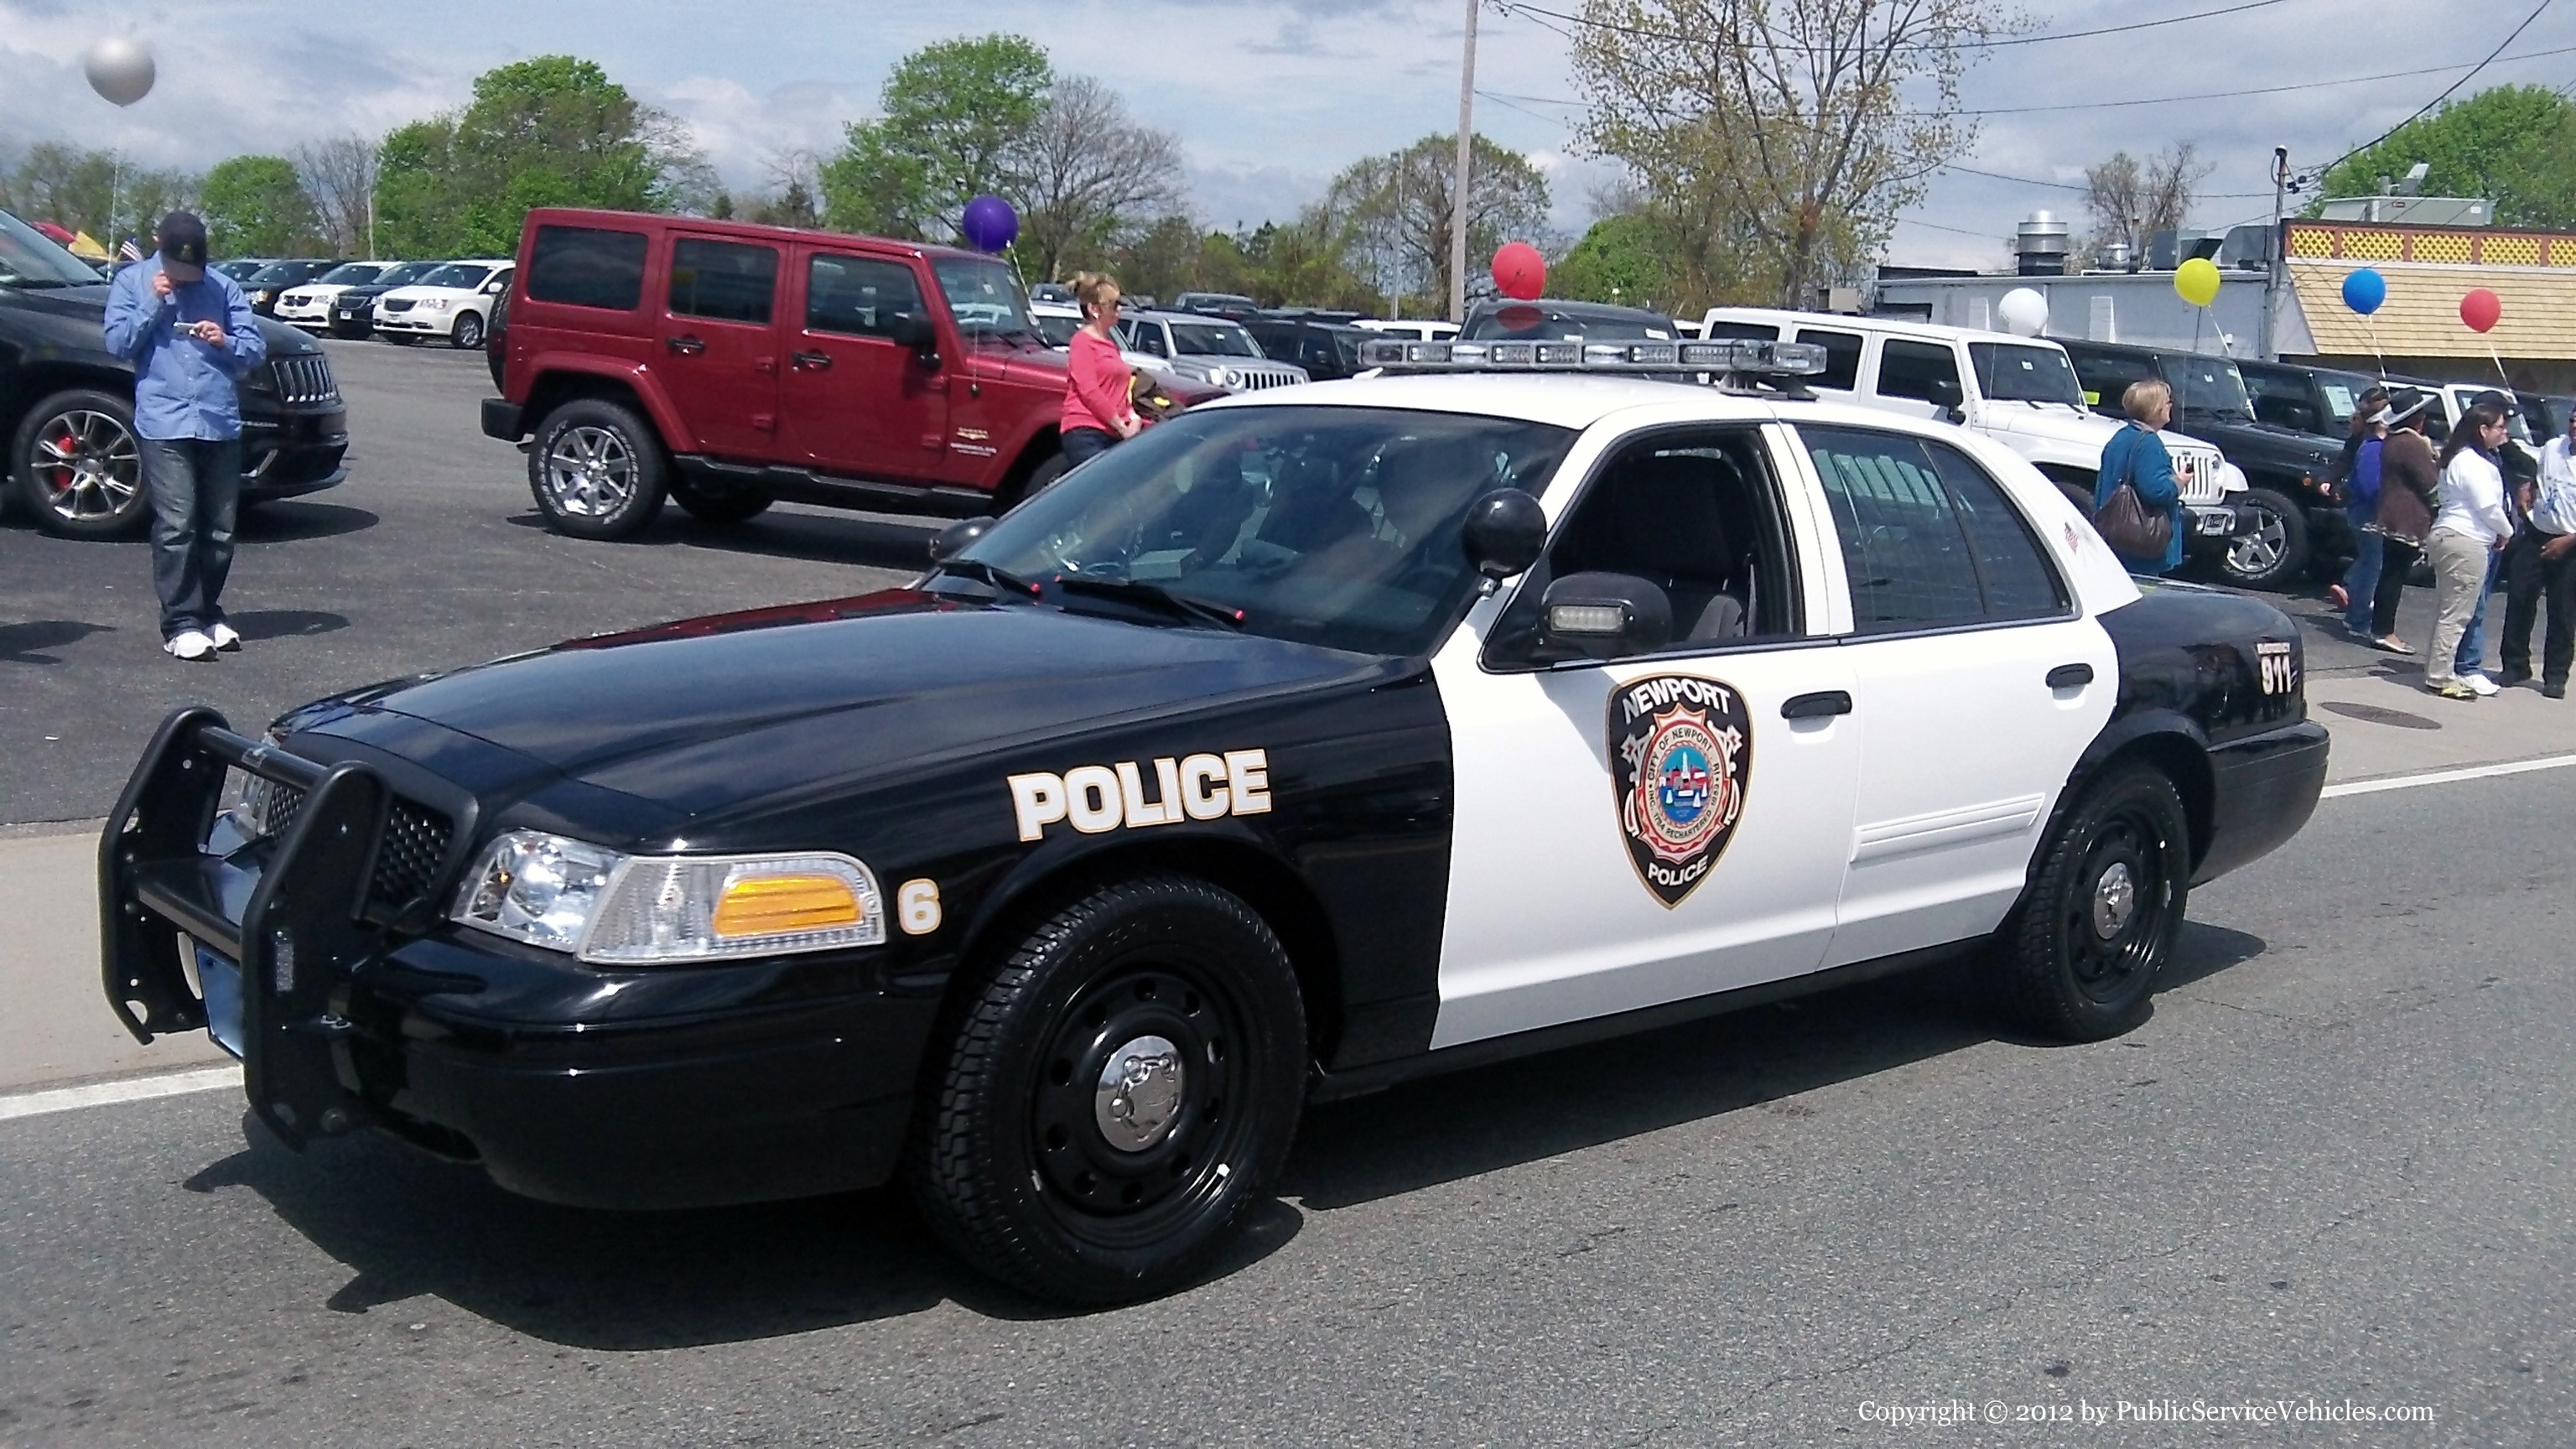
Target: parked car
353 309
2020 391
1056 321
645 354
1216 304
67 404
1550 319
273 281
2316 400
241 269
453 302
1323 350
2291 521
1421 329
1203 348
309 306
1051 292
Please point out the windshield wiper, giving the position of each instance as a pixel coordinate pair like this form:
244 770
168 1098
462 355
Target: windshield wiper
1137 590
1008 583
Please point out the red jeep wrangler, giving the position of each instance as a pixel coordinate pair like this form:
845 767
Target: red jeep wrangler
729 366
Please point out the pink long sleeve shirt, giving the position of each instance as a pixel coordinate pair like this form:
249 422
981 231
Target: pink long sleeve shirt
1095 392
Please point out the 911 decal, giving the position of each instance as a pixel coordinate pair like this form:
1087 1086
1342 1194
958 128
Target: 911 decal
1681 758
1096 799
2279 674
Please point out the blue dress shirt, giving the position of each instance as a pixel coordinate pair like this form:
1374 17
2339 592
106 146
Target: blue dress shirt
183 388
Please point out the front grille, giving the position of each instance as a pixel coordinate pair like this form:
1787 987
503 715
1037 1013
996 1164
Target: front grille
407 858
1268 379
2196 475
397 304
304 379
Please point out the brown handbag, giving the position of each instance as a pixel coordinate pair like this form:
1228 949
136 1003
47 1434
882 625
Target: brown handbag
2126 524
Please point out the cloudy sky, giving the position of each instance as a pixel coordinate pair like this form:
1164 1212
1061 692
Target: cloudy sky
1269 97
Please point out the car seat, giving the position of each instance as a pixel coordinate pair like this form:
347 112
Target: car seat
1659 518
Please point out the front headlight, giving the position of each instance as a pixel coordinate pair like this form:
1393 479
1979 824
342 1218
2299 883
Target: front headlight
436 304
622 910
1226 377
262 295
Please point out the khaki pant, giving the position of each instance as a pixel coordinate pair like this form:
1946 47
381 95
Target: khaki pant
2459 576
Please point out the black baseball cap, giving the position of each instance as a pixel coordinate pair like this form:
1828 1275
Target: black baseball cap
183 238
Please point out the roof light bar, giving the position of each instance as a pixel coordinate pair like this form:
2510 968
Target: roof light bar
1747 357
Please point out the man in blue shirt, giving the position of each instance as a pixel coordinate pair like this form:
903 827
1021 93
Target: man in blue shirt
189 333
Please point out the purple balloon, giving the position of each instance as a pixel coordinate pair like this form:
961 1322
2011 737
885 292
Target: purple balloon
990 223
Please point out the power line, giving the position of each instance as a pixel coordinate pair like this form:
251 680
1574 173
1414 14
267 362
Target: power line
2072 186
1513 7
2319 173
1955 230
2276 90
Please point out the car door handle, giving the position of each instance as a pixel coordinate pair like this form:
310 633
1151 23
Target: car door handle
1820 705
809 361
2070 676
689 346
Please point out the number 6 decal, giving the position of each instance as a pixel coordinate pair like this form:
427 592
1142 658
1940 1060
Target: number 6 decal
916 907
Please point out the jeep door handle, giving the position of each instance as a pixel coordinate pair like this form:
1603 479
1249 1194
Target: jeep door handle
1820 705
809 361
2070 676
689 346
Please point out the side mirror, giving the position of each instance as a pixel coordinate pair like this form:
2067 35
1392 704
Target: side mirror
1605 616
911 329
1504 533
957 537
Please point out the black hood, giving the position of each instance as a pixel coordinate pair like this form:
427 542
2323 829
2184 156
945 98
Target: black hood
719 715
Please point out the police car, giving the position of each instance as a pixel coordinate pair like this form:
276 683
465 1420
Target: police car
1314 740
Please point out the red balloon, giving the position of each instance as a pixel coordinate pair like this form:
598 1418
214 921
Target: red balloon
1520 271
2480 309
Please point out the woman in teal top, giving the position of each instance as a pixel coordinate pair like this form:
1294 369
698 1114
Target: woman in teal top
2135 455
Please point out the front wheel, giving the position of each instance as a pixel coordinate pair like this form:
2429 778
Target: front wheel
2270 545
467 334
78 467
596 469
2077 960
1122 1086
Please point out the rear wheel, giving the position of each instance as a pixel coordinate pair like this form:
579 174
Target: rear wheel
1122 1086
78 468
2079 958
2270 545
596 470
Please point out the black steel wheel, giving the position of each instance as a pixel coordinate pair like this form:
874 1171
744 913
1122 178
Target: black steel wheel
1120 1088
596 469
2080 956
2270 546
78 467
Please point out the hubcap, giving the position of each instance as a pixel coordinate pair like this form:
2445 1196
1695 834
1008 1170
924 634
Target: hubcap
2115 895
1139 1097
87 463
589 471
2255 553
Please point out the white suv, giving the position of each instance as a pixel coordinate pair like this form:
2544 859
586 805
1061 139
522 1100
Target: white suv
2020 391
454 302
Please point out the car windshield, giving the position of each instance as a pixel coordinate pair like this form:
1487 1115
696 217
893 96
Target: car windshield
985 297
2514 427
2212 387
281 274
1546 322
1331 526
1213 339
465 276
1058 331
403 274
2018 372
351 274
29 258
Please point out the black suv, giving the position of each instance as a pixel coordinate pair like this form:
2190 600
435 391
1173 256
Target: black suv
67 403
2290 521
271 282
1325 350
353 309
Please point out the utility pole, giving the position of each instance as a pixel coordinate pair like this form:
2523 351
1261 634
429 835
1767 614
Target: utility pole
2274 247
1466 156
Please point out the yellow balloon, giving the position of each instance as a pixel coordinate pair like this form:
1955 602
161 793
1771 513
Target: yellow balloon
2197 281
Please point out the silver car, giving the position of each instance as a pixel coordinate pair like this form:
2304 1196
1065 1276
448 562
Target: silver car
1205 349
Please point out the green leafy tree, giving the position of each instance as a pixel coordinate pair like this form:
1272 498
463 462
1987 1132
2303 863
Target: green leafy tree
958 115
1620 259
256 206
78 188
2516 144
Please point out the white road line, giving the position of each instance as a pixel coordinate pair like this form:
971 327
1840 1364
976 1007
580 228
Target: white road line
2445 777
132 1089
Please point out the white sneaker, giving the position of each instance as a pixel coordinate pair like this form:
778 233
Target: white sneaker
2484 686
191 645
224 637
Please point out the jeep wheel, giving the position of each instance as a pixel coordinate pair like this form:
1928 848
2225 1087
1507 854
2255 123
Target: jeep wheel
467 334
1122 1086
718 502
596 470
2076 961
78 467
2270 545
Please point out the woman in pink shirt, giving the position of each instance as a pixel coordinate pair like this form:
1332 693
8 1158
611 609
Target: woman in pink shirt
1097 413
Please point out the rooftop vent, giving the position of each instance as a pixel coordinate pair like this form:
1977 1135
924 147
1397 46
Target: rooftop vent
2039 245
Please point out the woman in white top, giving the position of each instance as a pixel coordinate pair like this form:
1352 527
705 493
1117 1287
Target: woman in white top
2470 527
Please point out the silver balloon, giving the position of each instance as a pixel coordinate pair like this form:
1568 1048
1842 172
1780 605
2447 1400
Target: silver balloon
119 69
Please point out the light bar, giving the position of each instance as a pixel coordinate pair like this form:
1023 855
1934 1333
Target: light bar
1745 357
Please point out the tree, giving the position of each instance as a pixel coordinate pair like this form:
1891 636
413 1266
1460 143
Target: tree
2511 143
80 189
1085 172
255 206
1163 259
794 173
2131 200
1400 207
956 114
1620 259
1780 137
340 176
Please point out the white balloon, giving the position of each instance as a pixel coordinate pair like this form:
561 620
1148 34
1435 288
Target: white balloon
2024 312
120 69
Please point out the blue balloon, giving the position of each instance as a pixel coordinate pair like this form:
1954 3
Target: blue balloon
990 224
2364 290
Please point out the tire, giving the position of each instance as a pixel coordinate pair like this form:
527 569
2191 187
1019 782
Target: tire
2055 971
718 503
74 462
596 470
1032 1170
467 334
2275 550
399 339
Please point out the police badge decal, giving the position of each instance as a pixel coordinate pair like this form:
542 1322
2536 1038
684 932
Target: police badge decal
1681 756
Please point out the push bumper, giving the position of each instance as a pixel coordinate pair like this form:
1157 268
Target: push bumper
673 1087
2266 787
2210 520
504 419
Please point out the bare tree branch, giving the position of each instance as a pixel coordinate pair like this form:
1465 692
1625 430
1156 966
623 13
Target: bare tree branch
1088 172
340 175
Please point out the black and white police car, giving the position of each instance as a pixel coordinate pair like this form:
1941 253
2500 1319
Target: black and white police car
1313 740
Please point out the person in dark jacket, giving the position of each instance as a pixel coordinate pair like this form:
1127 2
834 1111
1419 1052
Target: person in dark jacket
2137 457
2356 481
2409 483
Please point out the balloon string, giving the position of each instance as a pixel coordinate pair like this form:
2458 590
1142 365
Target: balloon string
2499 362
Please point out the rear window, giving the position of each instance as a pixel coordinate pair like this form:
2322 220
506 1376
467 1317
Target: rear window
1842 357
586 266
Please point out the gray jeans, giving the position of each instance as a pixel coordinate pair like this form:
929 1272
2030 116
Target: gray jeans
2459 584
195 484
